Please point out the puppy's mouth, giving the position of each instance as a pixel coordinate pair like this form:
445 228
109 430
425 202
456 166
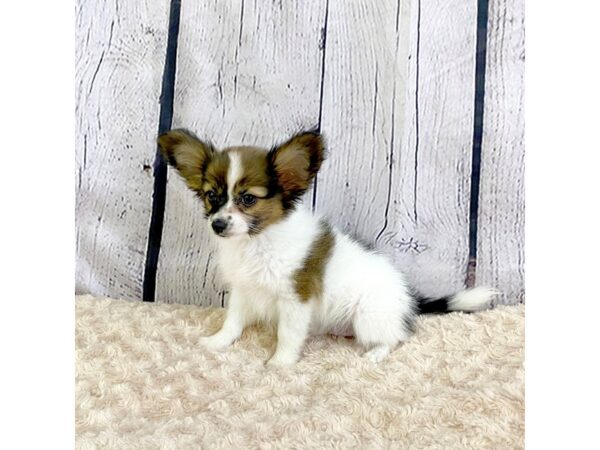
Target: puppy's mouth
230 235
224 228
224 234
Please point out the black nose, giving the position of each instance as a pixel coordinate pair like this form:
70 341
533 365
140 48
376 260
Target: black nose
219 225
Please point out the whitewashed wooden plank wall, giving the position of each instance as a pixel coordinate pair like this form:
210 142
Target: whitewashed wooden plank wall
391 84
120 52
500 243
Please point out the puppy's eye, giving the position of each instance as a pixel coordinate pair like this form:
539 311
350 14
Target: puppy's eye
248 199
211 196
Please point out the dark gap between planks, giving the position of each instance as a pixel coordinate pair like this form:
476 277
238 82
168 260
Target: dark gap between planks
480 62
159 194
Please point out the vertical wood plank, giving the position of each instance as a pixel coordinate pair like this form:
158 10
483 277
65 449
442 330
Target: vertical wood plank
500 237
398 111
249 73
120 52
362 75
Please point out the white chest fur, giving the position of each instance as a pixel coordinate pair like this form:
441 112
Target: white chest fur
270 259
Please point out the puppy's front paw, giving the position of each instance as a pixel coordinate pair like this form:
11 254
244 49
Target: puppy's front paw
282 360
214 342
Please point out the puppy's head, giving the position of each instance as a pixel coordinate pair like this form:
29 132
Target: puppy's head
244 189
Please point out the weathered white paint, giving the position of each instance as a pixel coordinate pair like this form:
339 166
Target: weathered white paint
391 84
500 249
398 113
249 73
120 52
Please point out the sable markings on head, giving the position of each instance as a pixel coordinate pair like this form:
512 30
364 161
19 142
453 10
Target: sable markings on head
215 180
295 163
187 154
276 178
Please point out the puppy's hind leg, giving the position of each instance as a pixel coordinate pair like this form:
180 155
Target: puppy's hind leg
378 353
379 330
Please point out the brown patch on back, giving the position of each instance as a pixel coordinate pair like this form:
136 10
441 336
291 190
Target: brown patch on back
308 279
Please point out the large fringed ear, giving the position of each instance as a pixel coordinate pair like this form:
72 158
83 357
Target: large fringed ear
296 162
186 153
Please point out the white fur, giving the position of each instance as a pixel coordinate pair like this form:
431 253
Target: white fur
364 295
474 299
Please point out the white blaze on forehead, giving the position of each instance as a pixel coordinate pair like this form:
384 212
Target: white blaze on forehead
234 173
237 224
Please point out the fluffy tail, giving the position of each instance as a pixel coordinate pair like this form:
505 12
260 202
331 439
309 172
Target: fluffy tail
474 299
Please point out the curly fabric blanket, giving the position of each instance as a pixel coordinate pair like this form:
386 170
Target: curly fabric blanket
143 382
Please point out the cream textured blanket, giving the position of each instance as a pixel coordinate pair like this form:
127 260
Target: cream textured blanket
142 382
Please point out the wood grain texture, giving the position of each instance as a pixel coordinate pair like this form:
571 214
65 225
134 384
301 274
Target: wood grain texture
500 239
398 113
249 73
120 52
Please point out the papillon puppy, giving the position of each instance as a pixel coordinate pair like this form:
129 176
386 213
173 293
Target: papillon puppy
287 267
